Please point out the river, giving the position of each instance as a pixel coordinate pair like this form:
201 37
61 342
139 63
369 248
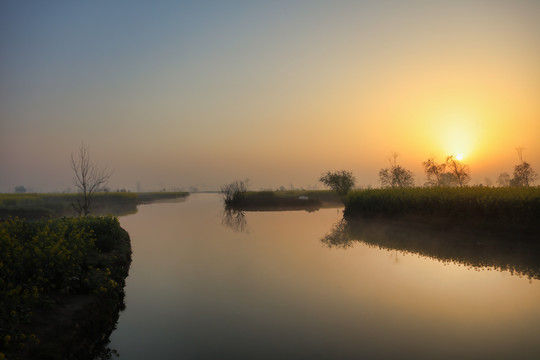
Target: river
204 286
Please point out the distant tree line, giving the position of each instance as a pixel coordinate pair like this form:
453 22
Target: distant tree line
340 181
450 173
523 176
395 176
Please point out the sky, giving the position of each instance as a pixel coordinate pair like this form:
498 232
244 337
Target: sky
174 94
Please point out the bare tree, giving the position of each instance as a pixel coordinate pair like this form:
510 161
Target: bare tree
235 192
450 173
459 171
504 179
395 176
89 179
519 151
524 174
435 172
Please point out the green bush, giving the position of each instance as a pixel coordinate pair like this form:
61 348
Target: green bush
42 260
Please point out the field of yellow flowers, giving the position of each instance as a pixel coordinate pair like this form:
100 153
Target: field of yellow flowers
43 261
511 204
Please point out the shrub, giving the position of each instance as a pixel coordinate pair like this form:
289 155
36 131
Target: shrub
235 192
340 181
42 260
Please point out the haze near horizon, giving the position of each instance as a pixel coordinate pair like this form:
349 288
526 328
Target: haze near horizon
181 94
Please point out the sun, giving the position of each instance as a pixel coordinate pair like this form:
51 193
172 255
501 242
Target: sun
457 133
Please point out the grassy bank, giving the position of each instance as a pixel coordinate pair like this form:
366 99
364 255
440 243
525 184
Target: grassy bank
61 285
149 197
35 206
468 204
287 200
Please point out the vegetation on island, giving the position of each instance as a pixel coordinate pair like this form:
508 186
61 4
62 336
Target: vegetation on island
235 192
444 197
46 263
237 196
468 203
445 194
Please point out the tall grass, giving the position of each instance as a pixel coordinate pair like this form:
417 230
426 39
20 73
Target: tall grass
496 204
309 200
35 206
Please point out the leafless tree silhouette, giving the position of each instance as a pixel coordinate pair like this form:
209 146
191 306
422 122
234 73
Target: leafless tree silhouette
88 179
235 192
395 176
524 174
459 171
435 172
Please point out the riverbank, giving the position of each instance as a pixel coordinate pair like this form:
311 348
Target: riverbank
309 200
62 286
37 206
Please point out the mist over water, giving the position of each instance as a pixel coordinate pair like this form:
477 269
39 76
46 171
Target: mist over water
268 287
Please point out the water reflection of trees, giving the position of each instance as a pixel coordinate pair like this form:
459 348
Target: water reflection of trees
234 219
339 236
514 252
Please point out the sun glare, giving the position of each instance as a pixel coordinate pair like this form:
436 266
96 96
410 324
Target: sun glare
458 133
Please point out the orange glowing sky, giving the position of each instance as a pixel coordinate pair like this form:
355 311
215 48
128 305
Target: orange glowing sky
180 94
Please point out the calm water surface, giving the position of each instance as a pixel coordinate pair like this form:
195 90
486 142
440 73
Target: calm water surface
197 289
